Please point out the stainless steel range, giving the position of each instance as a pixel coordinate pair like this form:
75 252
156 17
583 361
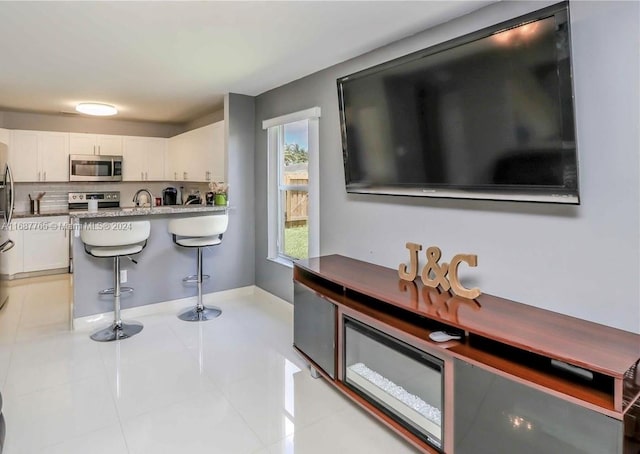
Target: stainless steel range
80 200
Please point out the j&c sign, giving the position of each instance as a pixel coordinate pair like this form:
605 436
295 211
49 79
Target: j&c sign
434 274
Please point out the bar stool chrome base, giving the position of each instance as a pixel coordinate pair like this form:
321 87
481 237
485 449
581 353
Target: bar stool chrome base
123 330
196 314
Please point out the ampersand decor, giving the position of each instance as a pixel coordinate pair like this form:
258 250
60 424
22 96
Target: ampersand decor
434 274
439 271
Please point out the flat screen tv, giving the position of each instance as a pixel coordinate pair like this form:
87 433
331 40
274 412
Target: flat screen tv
488 115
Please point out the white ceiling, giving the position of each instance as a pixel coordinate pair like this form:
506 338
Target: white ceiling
174 61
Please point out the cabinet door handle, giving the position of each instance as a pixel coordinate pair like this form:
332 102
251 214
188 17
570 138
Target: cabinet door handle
99 149
142 175
184 175
146 176
175 176
7 245
38 176
45 176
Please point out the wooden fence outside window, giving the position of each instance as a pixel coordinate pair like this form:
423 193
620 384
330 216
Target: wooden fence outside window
296 202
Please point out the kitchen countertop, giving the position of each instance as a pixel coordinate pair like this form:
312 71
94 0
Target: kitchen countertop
124 211
146 211
26 214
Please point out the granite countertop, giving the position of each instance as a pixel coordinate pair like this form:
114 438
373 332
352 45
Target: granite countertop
26 214
146 211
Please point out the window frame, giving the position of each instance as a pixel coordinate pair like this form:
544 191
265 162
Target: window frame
275 143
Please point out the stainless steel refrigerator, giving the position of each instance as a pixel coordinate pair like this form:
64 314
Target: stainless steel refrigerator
6 209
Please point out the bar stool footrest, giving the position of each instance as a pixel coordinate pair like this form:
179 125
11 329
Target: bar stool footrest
109 291
194 278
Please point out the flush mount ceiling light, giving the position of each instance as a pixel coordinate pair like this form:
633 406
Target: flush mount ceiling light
95 108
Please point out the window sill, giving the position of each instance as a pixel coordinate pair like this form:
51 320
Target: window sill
282 261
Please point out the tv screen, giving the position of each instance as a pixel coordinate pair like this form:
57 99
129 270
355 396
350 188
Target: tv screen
488 115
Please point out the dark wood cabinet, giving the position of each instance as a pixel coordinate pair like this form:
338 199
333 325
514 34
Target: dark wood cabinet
524 420
573 385
314 328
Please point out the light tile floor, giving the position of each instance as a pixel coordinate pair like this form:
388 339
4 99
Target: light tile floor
231 385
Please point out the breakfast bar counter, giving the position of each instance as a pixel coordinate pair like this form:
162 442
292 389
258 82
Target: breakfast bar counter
157 277
147 211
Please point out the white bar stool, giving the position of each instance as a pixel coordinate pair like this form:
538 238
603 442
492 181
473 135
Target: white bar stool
115 243
199 232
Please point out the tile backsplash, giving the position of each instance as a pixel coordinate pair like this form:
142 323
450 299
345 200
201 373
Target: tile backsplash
56 197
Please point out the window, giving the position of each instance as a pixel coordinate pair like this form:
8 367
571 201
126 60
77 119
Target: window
293 186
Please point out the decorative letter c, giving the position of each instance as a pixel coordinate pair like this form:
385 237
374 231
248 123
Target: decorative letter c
458 289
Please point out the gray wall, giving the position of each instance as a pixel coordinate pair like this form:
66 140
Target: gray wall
578 260
239 259
79 123
213 117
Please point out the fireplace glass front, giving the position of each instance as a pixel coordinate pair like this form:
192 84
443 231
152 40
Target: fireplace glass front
399 379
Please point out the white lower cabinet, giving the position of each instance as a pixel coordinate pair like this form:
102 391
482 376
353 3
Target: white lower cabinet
41 244
12 260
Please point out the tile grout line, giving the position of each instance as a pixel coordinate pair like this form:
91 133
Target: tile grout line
113 399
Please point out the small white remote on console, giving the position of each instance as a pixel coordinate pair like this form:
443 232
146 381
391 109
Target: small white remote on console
441 336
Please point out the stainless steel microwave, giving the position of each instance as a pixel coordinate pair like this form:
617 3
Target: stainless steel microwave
95 168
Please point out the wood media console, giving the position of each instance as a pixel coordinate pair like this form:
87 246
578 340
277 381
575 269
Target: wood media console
520 379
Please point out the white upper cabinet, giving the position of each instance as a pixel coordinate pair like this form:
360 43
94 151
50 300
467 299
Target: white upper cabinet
39 156
216 159
144 158
43 156
53 156
182 150
23 155
198 155
101 144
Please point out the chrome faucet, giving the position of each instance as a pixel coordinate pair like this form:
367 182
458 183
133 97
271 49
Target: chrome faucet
137 195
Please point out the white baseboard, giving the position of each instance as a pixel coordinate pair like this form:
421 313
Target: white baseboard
91 322
269 296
